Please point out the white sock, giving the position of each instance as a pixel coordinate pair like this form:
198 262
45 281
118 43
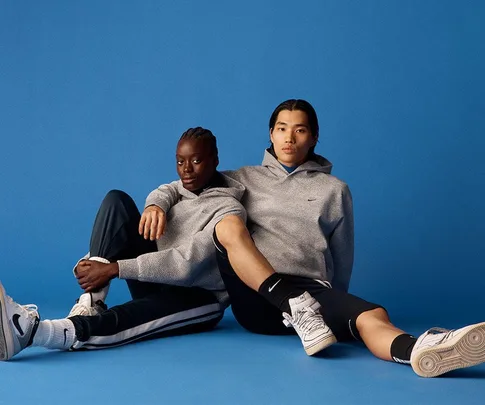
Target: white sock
103 292
100 295
56 334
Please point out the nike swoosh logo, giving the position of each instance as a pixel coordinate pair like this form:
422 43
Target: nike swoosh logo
15 320
273 286
65 336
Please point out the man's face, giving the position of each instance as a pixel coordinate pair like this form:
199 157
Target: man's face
291 137
196 163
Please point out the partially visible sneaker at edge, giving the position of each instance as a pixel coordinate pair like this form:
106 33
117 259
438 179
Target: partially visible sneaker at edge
438 351
18 324
308 322
85 306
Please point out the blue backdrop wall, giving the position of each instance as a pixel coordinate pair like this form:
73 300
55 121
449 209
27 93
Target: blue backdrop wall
94 95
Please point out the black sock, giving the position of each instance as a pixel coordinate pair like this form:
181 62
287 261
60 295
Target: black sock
278 291
401 348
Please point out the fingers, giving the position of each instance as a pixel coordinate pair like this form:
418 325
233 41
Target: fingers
145 224
153 225
86 279
160 225
148 225
89 274
141 226
152 222
157 226
83 281
82 266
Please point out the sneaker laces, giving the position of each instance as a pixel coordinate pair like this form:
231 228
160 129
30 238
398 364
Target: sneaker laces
304 319
436 331
81 309
84 310
26 309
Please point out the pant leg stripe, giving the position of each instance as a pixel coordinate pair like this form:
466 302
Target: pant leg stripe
169 322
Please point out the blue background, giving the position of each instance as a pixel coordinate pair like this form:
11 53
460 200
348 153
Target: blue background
94 96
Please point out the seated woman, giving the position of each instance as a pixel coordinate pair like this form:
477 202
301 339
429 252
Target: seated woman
174 282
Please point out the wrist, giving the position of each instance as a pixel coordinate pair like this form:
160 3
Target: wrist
114 270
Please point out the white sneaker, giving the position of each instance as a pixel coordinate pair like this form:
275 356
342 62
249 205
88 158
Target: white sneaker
18 324
438 351
85 306
309 324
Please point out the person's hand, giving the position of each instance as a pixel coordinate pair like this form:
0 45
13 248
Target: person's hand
152 222
92 275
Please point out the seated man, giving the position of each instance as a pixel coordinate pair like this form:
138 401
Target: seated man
300 222
174 282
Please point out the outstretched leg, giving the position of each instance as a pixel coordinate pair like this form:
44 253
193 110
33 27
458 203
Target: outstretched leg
435 352
259 295
173 310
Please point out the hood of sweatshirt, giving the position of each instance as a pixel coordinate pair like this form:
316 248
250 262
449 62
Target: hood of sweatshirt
227 185
316 164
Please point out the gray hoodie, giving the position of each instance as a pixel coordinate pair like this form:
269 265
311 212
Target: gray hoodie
186 253
302 222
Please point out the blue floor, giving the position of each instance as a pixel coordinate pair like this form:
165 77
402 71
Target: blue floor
226 366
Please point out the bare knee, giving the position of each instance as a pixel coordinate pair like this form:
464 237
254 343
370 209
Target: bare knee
231 230
377 315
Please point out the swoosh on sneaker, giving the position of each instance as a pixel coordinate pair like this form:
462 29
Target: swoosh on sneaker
15 321
65 336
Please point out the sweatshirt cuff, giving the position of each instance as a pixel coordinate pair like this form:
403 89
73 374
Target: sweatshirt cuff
128 269
164 206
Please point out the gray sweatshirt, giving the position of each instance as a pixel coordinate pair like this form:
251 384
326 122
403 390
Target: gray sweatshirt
186 252
302 222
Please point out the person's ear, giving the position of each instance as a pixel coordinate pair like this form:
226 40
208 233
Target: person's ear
271 135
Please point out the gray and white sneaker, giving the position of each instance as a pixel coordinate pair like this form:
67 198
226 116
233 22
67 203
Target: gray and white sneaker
309 324
18 324
439 351
85 306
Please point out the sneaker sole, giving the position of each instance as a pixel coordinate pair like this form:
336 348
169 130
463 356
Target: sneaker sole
6 340
465 350
320 345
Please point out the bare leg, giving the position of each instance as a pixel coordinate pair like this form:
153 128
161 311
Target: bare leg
246 260
377 332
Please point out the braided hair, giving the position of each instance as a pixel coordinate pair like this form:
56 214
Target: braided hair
203 134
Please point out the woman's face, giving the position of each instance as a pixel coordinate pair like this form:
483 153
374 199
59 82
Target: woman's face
196 163
291 137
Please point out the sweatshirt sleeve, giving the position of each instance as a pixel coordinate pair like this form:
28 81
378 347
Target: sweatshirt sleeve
183 264
342 244
165 196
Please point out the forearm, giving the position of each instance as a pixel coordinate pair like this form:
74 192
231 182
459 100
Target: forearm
179 265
